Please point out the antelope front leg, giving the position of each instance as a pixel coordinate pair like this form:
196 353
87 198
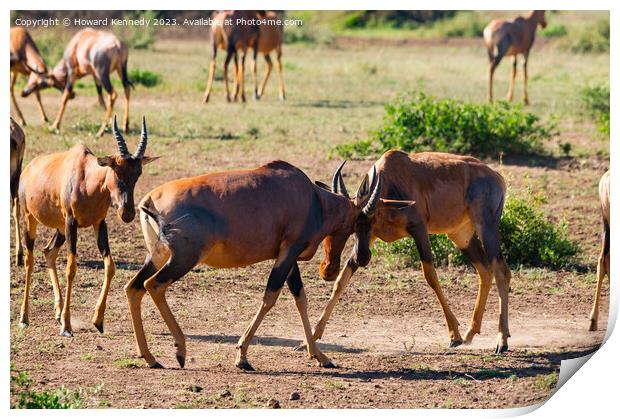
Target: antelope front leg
513 75
66 95
41 110
31 233
71 235
296 287
526 99
104 248
51 254
340 286
108 113
15 105
19 249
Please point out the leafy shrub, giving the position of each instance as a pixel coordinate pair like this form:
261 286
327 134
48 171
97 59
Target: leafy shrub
144 77
25 398
139 37
593 38
529 238
424 123
554 31
596 102
462 24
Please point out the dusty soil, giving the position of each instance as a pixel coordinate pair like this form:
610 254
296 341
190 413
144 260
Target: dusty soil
387 338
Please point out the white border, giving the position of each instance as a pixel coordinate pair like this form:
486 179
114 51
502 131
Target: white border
590 393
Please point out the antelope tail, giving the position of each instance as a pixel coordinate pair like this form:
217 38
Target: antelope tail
167 229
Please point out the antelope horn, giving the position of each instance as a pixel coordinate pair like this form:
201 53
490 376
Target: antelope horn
122 146
371 205
338 185
143 140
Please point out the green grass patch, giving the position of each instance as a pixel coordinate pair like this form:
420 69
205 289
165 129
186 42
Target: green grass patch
554 31
126 363
546 382
529 238
424 123
145 78
24 397
593 38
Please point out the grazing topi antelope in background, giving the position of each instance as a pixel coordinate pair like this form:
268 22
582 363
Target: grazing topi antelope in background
25 59
70 190
89 52
271 38
206 220
18 145
233 37
511 38
602 268
456 195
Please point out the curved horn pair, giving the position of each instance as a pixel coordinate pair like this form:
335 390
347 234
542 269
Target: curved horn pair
371 205
122 146
338 185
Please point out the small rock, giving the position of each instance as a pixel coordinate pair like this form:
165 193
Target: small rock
195 388
99 348
225 394
295 396
273 404
377 385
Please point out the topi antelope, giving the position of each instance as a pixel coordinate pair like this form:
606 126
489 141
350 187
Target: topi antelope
204 220
25 59
271 37
456 195
98 53
602 268
70 190
511 38
18 144
231 34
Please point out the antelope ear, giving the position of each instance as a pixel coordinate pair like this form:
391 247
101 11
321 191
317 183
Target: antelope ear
391 203
107 161
323 186
146 160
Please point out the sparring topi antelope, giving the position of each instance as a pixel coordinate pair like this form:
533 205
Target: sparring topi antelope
98 53
18 145
457 195
26 59
70 190
206 220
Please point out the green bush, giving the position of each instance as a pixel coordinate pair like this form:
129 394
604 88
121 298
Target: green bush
144 77
423 123
593 38
529 238
596 103
25 398
139 37
462 24
554 31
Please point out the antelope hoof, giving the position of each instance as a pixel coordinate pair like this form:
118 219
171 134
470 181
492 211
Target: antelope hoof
500 349
244 365
282 98
256 96
455 343
469 337
66 333
19 260
156 366
23 324
181 360
328 364
593 325
99 327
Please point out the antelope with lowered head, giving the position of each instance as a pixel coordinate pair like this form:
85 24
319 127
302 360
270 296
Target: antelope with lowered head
602 267
25 59
271 38
18 145
70 190
205 220
98 53
233 37
456 195
511 38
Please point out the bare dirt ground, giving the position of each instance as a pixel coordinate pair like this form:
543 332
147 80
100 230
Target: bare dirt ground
387 337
